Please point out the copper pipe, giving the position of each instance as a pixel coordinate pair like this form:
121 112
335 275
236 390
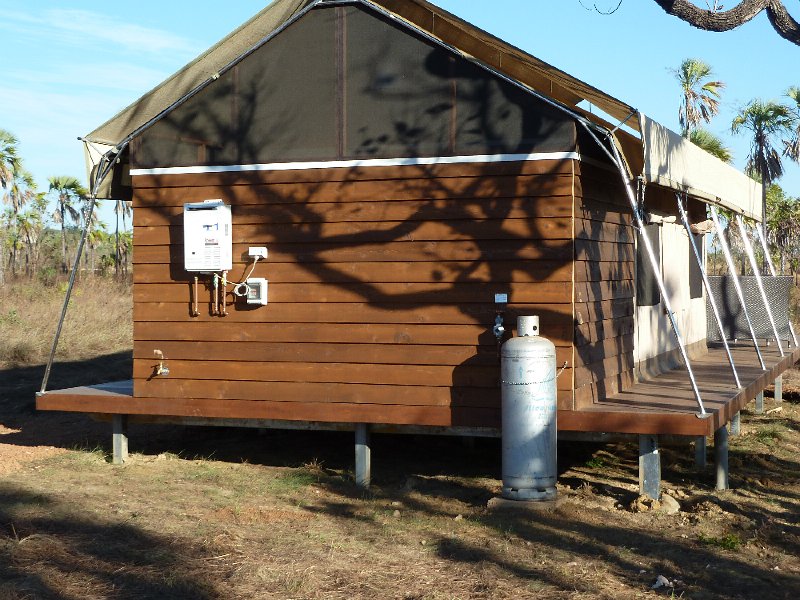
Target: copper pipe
194 312
224 294
215 297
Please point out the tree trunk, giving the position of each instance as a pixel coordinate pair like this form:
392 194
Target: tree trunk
116 245
64 268
725 20
764 265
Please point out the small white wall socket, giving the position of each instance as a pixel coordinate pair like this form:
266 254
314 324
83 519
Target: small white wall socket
257 251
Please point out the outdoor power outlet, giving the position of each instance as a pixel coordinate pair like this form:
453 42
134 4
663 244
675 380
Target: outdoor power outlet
259 252
257 291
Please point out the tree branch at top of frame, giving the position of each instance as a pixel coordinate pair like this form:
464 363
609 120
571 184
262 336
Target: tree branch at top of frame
711 20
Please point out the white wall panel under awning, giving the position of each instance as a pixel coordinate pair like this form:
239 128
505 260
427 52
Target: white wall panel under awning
654 335
674 162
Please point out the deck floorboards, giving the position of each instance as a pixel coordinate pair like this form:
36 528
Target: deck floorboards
663 404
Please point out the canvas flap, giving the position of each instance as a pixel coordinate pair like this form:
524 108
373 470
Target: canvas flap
674 162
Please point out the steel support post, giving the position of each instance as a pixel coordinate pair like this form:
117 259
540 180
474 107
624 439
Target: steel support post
748 248
700 449
698 257
736 424
616 157
363 456
732 271
778 395
721 457
649 467
760 403
119 438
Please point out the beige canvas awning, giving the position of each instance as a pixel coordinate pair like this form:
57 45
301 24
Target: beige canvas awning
674 162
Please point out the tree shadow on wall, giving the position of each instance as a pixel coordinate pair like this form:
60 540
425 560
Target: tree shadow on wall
394 250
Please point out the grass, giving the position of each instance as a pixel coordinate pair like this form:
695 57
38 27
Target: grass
729 541
770 434
206 513
99 320
596 462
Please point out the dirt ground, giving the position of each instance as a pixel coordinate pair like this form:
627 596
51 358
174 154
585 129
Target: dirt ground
218 513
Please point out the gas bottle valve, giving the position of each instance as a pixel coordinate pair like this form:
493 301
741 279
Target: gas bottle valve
498 329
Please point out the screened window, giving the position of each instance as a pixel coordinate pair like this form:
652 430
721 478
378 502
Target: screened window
344 82
647 293
695 274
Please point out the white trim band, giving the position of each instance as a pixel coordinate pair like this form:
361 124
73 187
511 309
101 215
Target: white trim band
369 162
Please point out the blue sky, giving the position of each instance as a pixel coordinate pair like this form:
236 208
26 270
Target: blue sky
70 65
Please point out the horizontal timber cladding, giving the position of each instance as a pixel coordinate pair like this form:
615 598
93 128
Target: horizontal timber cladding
411 293
605 286
381 290
376 272
558 316
382 231
398 210
393 252
333 333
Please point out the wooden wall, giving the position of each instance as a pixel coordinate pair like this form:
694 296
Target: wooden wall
604 285
381 293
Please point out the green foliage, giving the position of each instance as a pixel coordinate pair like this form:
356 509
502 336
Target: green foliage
729 541
771 124
783 227
711 143
769 435
699 93
10 318
596 462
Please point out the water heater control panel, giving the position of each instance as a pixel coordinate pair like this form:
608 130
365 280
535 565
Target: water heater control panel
207 236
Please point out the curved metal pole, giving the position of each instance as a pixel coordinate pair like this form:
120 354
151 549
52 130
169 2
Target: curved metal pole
710 293
763 240
618 161
748 248
732 268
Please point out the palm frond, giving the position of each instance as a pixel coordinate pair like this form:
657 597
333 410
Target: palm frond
711 143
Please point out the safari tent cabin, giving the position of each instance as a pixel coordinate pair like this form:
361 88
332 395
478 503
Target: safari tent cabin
382 189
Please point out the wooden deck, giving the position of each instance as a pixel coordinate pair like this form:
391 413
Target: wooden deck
663 405
666 404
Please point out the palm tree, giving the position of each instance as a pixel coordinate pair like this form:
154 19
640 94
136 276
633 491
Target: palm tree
9 165
699 95
784 223
770 123
95 234
9 160
792 145
711 143
121 208
20 188
69 191
31 224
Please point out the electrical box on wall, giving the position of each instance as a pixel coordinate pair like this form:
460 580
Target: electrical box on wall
257 290
207 236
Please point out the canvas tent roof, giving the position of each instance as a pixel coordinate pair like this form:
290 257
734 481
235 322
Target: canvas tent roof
465 38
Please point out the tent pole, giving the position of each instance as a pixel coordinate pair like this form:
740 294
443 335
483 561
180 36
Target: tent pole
707 285
101 175
748 248
763 240
618 161
732 268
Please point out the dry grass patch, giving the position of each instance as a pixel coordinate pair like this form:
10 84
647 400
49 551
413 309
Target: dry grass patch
99 320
